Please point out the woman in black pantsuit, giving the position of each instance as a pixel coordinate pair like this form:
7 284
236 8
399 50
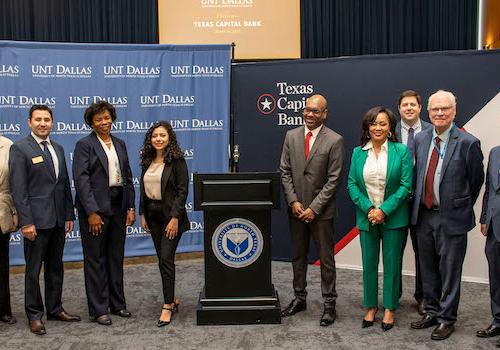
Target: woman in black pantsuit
164 188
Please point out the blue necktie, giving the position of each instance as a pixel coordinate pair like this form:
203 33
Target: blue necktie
48 156
411 141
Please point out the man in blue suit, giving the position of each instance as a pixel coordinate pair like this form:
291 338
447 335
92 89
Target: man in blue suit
490 227
41 192
410 106
448 177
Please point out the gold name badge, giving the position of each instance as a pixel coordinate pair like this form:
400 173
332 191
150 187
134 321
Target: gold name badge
37 160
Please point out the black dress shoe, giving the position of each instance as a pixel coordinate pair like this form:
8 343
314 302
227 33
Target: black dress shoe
37 327
329 316
9 319
103 320
366 324
65 317
426 322
442 331
295 306
122 313
491 331
387 326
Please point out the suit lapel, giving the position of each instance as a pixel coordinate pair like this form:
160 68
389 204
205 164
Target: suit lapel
390 161
101 154
423 152
299 141
60 157
315 146
450 148
363 155
38 150
165 175
496 172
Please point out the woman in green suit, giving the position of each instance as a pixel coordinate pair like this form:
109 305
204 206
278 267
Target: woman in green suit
379 184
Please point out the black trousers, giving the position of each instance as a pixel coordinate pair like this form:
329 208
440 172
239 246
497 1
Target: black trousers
418 293
5 309
165 248
441 260
492 250
47 248
322 233
103 260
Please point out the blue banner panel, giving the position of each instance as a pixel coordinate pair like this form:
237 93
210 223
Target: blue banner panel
188 85
268 99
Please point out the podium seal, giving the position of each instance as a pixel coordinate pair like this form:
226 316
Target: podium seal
237 243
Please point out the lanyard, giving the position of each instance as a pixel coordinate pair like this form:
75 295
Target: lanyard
441 154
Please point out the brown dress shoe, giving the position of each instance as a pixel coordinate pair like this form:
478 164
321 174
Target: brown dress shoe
64 316
37 327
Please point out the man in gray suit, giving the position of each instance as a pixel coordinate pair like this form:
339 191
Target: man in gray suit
410 106
42 196
490 227
311 169
448 177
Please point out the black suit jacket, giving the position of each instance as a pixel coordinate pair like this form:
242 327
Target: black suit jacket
174 190
90 173
39 197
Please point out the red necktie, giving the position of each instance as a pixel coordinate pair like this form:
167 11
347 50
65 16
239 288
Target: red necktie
308 138
429 177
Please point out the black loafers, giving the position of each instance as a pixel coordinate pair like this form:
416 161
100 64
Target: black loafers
9 319
442 332
295 306
103 320
122 313
426 322
491 331
328 317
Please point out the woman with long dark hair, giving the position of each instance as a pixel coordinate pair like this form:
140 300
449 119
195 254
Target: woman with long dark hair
164 188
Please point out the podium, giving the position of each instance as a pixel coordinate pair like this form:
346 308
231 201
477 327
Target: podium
237 223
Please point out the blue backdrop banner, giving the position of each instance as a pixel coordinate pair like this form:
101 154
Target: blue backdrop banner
187 85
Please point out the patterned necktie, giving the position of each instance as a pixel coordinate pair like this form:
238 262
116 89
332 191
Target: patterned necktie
411 141
308 138
429 178
48 156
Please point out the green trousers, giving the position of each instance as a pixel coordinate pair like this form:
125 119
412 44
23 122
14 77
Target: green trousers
392 242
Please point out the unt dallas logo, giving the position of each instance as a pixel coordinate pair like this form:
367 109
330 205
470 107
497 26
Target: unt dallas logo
237 243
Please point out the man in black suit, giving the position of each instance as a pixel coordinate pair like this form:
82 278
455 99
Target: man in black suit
410 106
42 195
490 227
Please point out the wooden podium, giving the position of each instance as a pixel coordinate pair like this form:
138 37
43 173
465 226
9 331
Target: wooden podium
237 223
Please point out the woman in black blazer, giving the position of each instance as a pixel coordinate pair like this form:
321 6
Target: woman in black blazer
164 188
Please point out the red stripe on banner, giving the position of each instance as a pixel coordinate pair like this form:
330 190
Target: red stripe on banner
343 242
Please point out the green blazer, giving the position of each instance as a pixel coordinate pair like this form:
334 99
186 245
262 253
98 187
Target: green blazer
398 186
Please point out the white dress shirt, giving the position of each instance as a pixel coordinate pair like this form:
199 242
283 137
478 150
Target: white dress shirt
315 133
53 153
443 145
417 127
375 173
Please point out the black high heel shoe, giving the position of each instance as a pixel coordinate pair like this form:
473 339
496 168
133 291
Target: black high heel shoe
175 308
165 323
367 323
387 326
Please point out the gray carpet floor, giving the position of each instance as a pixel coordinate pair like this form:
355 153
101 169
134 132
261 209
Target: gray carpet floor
302 331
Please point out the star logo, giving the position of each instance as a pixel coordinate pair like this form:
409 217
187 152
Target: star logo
266 104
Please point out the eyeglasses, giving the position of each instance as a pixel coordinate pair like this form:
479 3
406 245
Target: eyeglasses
442 109
314 111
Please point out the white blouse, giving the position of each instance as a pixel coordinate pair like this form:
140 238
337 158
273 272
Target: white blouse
375 173
114 171
152 180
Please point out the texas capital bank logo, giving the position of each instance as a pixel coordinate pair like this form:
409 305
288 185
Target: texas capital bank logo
286 103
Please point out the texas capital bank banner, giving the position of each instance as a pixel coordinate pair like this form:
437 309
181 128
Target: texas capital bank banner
188 85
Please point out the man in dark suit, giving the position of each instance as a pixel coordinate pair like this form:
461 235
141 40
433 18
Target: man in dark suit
410 106
42 196
448 177
490 227
311 168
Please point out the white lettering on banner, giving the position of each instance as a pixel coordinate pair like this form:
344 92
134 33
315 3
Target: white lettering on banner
15 238
189 153
9 128
60 71
189 207
136 231
85 101
226 3
131 71
197 71
166 100
196 226
11 101
73 235
136 181
7 70
290 104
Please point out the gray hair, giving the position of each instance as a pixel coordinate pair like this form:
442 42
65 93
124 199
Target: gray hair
448 94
